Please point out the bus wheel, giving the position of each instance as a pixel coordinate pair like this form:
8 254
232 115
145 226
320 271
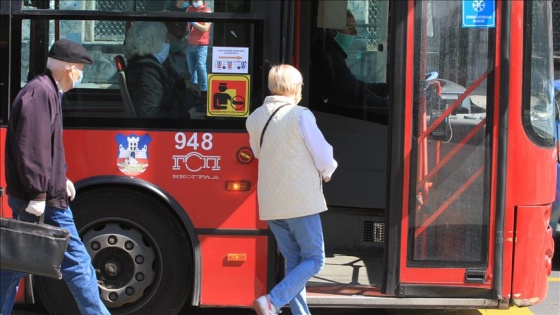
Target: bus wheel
141 254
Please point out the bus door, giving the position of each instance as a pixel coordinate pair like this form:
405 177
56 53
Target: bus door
409 205
446 241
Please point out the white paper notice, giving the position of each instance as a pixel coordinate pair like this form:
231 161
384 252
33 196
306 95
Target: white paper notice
230 60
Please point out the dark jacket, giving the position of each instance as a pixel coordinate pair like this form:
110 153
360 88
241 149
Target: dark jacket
335 85
35 162
152 91
173 73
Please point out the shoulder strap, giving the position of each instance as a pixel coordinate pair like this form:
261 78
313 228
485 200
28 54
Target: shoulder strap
267 122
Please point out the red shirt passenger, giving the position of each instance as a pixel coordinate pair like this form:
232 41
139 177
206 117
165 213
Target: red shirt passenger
198 34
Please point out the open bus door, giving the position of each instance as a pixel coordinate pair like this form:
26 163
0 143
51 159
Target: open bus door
409 206
447 223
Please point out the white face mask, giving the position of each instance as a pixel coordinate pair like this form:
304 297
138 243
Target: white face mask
196 4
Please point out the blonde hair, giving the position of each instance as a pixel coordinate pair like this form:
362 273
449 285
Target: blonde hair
284 80
144 38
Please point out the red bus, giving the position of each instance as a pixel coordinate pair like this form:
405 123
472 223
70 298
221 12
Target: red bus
441 199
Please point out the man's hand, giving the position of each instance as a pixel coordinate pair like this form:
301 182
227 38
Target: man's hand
70 190
36 207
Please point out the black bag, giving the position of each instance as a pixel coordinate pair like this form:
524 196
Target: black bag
32 248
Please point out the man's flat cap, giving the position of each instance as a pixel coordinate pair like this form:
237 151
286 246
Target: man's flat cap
69 51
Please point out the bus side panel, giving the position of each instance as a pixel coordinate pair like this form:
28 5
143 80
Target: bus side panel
192 167
234 269
533 263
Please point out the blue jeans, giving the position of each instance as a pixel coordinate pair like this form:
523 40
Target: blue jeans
300 241
196 59
76 267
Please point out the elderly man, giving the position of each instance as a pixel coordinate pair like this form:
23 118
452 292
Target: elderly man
36 172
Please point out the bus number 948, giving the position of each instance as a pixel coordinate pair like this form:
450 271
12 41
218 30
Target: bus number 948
193 142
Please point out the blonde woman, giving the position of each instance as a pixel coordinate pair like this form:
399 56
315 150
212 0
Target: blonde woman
294 160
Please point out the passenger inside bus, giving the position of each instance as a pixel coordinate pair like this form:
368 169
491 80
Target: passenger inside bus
181 78
175 31
153 91
336 85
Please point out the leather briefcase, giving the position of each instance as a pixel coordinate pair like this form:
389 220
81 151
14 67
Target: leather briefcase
35 248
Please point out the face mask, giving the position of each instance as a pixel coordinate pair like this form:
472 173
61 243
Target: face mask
163 53
185 4
196 4
77 82
343 40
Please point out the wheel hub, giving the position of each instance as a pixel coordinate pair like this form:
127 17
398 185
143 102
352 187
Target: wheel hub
123 260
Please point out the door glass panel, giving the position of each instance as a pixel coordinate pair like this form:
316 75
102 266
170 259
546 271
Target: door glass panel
450 157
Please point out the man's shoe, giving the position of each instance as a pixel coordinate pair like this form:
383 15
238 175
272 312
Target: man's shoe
263 306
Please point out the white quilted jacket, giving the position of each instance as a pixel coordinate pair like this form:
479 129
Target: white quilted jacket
289 184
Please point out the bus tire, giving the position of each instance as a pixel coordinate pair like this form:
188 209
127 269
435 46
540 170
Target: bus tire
148 269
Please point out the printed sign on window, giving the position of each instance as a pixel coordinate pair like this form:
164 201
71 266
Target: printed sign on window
479 13
230 59
228 95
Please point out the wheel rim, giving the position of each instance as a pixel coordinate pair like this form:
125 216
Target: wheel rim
124 258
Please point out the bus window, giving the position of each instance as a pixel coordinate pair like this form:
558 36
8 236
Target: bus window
232 6
349 60
538 106
98 98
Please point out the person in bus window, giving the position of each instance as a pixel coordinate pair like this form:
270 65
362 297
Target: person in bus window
198 39
294 160
181 79
180 5
154 93
333 83
36 172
